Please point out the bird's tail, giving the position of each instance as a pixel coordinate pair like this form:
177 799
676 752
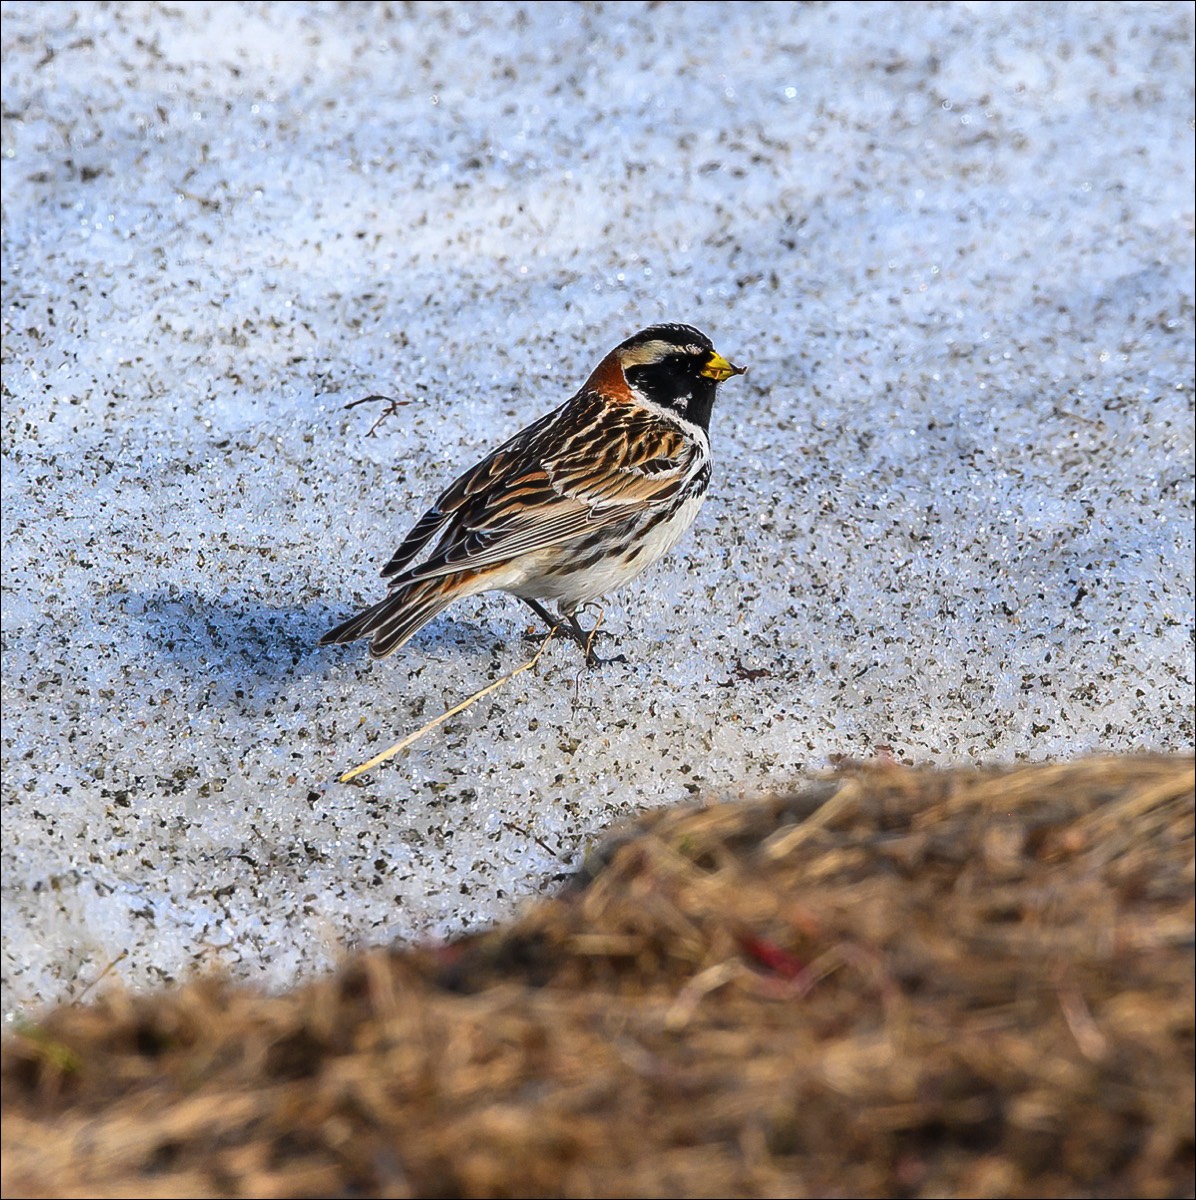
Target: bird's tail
390 622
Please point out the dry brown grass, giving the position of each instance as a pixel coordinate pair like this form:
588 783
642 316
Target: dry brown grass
898 983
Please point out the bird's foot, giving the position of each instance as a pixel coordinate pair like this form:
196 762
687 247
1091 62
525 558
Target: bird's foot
568 624
586 639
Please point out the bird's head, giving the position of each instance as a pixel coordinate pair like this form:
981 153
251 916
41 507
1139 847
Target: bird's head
675 367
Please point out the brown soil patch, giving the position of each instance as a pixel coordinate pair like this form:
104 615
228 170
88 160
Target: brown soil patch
897 983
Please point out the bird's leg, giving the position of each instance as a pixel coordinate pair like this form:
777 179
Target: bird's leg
573 628
586 641
544 615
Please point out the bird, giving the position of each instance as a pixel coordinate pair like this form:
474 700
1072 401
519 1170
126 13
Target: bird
573 506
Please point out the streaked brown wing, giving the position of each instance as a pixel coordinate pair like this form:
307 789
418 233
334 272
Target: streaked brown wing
425 529
582 467
464 491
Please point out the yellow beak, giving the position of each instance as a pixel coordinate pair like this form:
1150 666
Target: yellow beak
718 369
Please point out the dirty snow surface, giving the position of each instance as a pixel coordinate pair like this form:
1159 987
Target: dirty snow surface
951 519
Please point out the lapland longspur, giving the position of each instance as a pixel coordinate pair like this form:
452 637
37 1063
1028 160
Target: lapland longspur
573 506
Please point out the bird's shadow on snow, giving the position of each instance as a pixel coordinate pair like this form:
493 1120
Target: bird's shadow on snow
232 633
236 636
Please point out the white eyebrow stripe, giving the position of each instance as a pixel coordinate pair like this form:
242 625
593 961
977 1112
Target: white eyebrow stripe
649 352
656 351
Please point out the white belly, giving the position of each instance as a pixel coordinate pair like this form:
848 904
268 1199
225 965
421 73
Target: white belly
543 578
